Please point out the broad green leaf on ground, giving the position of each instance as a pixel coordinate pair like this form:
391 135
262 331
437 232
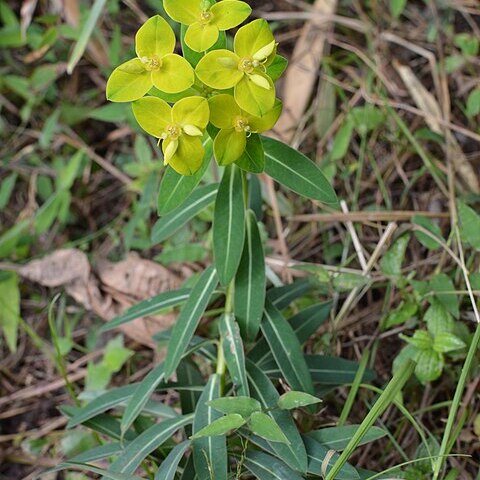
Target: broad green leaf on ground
221 426
324 370
234 353
292 399
200 199
265 426
210 453
397 7
429 365
261 388
229 225
148 307
267 467
283 296
448 342
189 319
250 282
176 188
337 438
244 406
469 225
438 319
391 263
444 289
286 349
297 172
317 465
9 308
432 227
146 443
168 467
141 395
401 315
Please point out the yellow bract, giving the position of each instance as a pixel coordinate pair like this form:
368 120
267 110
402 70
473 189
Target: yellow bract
205 21
244 69
155 65
181 128
236 126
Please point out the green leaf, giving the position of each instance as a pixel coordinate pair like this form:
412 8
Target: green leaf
168 468
317 465
176 188
473 103
469 225
229 225
146 443
448 342
244 406
148 307
116 354
286 349
6 189
194 57
250 282
429 365
337 438
443 283
9 308
200 199
209 454
188 374
141 396
265 426
421 339
397 7
292 399
276 69
93 469
282 297
324 370
98 453
221 426
438 319
342 140
261 388
402 314
234 353
432 227
266 467
391 263
253 158
189 319
297 172
85 34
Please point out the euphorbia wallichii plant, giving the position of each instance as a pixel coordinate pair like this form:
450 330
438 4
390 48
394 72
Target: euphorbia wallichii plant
238 423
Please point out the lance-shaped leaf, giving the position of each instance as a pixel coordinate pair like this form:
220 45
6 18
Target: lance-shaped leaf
244 406
176 188
297 172
98 453
168 468
146 443
234 353
286 349
148 307
210 453
221 426
291 400
229 225
266 467
261 388
266 427
91 468
189 319
283 296
337 438
250 282
176 219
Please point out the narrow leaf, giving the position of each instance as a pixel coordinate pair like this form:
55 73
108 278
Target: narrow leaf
250 282
229 225
244 406
337 438
265 426
189 319
234 353
168 468
221 426
297 172
210 453
291 400
286 349
148 307
146 443
282 297
267 467
176 219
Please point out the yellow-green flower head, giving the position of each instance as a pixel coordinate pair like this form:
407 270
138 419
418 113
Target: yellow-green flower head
236 126
244 69
180 127
205 21
155 65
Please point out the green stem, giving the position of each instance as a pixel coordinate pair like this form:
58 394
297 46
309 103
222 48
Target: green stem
456 403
